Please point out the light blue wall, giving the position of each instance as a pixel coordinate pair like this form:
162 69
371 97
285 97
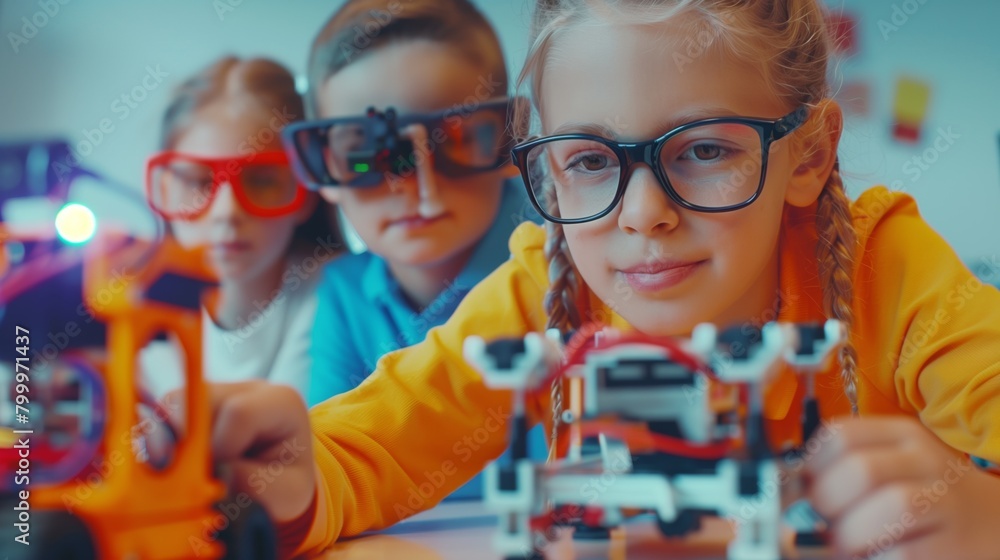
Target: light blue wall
70 76
67 78
955 47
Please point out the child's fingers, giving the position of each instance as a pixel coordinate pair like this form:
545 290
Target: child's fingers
285 491
929 547
884 519
862 472
254 416
247 417
857 433
175 402
261 433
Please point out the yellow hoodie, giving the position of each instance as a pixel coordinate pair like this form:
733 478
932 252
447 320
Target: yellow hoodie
926 330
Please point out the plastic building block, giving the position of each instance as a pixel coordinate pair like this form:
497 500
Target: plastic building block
122 502
676 426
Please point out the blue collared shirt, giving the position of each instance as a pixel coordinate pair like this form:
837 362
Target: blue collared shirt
362 312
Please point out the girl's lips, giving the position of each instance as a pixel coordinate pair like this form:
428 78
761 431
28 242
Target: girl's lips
415 222
657 277
230 247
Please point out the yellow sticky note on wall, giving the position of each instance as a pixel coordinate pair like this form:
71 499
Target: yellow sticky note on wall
910 108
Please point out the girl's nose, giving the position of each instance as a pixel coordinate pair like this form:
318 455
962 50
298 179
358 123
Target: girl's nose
646 207
224 205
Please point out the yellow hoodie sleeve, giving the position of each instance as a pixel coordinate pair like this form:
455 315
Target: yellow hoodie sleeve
424 423
927 329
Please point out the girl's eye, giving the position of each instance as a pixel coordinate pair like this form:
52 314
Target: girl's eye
259 176
589 162
704 152
194 180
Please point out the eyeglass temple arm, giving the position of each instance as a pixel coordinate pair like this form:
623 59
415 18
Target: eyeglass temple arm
785 125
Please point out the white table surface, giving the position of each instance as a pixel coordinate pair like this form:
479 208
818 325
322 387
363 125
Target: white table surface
464 531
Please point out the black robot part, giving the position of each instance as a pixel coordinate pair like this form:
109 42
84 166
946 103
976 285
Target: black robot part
386 151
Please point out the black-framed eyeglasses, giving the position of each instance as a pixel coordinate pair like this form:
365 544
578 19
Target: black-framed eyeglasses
711 165
359 151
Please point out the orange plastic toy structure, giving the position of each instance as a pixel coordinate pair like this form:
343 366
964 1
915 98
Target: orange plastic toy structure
136 511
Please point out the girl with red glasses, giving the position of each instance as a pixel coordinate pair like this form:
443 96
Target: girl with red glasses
222 182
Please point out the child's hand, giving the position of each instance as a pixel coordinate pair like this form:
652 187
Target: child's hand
261 434
888 486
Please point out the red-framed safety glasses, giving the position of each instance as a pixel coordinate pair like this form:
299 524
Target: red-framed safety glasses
182 186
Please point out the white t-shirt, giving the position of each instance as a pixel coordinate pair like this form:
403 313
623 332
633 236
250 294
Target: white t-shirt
273 344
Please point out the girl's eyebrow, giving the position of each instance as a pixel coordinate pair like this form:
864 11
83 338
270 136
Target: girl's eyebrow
584 128
692 115
670 123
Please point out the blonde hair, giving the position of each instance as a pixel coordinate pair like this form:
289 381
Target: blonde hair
792 39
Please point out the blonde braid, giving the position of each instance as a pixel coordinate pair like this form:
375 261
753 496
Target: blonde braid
560 302
835 253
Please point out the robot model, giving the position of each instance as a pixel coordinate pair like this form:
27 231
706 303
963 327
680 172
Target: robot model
125 485
672 427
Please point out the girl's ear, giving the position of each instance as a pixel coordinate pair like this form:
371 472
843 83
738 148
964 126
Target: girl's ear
816 154
330 194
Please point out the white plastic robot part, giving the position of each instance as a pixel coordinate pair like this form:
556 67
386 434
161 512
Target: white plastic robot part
758 533
835 334
615 454
526 372
474 352
761 364
703 339
514 507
